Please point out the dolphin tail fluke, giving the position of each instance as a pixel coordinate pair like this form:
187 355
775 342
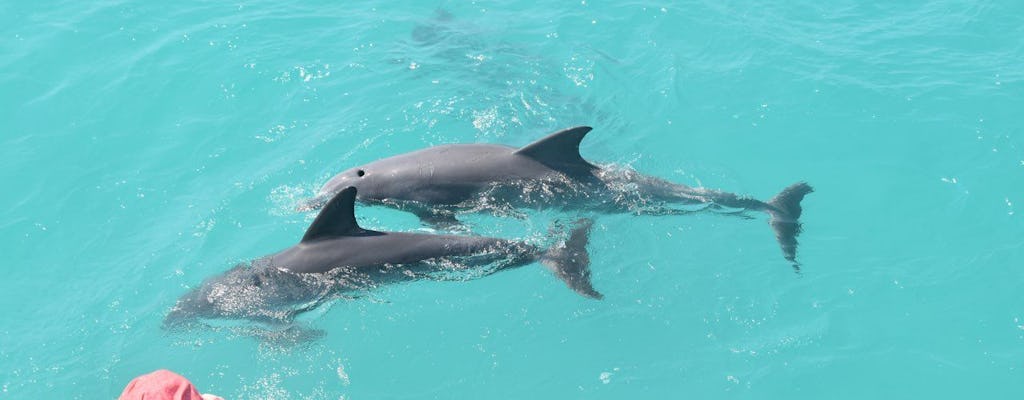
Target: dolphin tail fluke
785 217
570 261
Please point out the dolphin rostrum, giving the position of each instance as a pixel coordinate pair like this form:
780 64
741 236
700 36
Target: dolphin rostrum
336 257
437 182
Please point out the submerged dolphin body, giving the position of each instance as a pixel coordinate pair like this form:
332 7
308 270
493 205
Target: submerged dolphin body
336 256
436 182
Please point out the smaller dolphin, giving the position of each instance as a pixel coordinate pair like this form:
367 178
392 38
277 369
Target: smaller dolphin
336 256
437 182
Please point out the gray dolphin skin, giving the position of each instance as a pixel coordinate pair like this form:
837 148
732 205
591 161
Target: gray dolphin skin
437 182
336 257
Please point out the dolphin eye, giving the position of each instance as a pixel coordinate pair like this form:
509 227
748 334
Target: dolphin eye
360 173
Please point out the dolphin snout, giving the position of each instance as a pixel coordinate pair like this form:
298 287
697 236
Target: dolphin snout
314 203
177 318
187 310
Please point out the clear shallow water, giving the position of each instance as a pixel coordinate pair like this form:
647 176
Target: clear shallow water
147 147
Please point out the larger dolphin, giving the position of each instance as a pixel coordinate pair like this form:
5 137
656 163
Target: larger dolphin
438 181
337 256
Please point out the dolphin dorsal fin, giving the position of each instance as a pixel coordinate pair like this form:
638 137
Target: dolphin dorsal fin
337 218
559 150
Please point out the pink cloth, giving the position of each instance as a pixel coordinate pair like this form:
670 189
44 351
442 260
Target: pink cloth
160 385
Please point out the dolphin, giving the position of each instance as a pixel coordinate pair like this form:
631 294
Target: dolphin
336 256
437 182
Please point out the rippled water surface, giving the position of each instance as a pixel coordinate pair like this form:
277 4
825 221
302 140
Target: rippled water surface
149 145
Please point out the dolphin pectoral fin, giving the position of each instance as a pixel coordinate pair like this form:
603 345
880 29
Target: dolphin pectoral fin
570 261
560 150
283 335
440 220
785 213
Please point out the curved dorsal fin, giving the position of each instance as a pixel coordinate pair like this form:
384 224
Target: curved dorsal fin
559 150
337 218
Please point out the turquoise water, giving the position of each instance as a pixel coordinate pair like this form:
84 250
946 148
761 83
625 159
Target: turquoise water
146 147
